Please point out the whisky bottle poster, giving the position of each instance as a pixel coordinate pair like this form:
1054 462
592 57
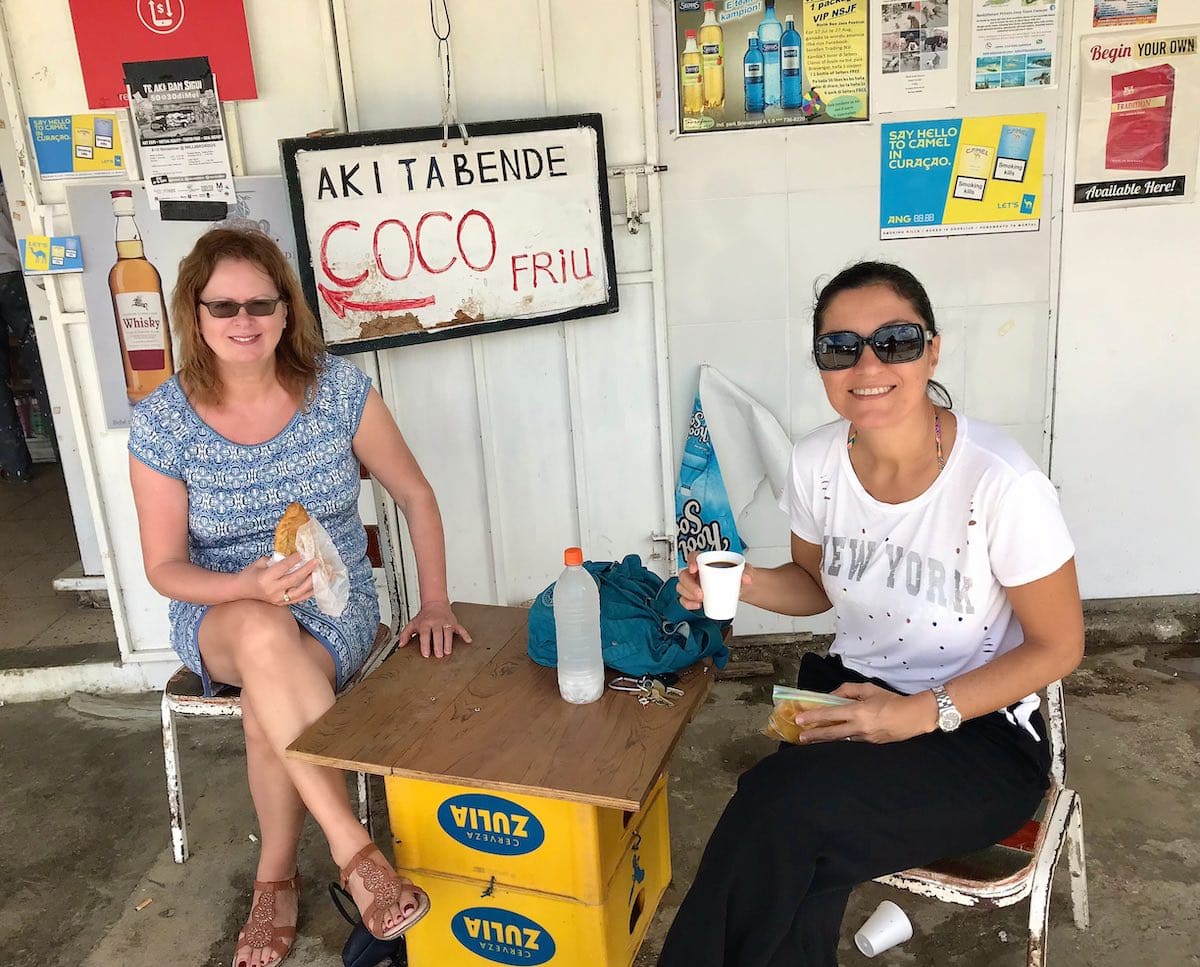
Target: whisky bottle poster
1139 118
259 202
766 63
180 130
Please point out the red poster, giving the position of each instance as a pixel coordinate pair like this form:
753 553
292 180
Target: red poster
110 33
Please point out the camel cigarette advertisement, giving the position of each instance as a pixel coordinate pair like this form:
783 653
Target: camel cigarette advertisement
180 130
918 55
76 145
962 176
1139 118
763 63
1013 43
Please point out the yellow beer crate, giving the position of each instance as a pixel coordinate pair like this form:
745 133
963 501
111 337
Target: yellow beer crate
531 842
477 923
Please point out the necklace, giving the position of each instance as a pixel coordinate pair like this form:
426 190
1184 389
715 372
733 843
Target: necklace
937 440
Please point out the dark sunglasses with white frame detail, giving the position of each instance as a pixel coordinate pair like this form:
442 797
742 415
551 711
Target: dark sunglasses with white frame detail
897 342
227 308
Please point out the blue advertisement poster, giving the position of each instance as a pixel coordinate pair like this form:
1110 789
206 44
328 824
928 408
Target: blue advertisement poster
961 176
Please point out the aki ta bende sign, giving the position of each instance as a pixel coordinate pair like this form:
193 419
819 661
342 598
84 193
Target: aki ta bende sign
405 238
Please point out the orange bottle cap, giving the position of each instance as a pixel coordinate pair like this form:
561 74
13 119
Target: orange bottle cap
573 556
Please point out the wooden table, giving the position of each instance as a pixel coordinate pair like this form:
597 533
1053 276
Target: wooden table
485 737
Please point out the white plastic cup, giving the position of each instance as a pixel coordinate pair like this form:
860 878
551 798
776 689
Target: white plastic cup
721 582
884 929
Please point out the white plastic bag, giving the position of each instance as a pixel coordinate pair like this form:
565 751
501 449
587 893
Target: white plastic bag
331 582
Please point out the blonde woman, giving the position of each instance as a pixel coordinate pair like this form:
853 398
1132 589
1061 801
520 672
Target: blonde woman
257 417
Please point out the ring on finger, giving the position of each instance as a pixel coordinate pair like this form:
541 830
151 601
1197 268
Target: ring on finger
287 598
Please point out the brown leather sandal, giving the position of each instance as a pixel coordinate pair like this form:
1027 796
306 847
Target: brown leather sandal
260 932
385 888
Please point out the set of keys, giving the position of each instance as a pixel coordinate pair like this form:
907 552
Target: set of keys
649 690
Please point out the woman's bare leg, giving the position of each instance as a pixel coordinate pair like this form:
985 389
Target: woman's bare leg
281 815
288 677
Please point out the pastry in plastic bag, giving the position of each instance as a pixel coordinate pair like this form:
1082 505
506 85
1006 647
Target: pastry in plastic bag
297 532
285 530
790 702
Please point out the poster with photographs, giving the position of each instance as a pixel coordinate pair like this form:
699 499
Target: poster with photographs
1013 43
918 54
1123 13
180 130
1139 118
762 63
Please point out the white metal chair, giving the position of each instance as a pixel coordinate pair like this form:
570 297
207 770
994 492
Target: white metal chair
1022 865
184 694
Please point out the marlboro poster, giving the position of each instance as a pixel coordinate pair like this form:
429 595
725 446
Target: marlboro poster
1139 118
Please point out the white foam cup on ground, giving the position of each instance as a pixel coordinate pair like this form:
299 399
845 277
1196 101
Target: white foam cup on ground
721 582
884 929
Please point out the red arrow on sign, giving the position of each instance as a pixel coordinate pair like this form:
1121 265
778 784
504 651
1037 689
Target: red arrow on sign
340 302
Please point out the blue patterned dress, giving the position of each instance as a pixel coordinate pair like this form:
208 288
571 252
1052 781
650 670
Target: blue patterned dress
237 492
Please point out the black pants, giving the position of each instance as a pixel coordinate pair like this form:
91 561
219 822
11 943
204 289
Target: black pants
809 823
17 324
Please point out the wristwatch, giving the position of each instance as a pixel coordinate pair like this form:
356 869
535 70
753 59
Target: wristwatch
949 717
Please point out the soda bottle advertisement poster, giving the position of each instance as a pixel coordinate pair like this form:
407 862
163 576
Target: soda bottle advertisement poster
763 63
962 176
261 202
1139 118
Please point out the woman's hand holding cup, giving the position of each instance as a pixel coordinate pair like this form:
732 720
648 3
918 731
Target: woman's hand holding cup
719 575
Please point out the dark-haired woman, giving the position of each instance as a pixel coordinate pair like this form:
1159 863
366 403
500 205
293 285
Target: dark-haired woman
942 551
257 417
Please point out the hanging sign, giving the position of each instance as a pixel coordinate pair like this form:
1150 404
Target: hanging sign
110 33
962 176
1139 114
403 239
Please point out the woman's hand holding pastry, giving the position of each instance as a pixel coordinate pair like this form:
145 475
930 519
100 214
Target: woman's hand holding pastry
876 715
435 626
277 583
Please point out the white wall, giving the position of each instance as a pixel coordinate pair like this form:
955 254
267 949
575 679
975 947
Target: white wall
755 220
1126 453
537 437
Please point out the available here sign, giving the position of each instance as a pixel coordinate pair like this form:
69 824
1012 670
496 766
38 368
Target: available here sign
402 240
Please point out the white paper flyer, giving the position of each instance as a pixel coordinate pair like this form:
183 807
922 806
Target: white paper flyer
918 52
1013 43
180 130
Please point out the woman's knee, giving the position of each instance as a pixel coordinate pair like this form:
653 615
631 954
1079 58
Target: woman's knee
259 637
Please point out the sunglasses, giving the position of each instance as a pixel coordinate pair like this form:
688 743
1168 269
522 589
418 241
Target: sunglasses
897 342
227 308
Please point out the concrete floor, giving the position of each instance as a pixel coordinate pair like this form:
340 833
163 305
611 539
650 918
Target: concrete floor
83 821
40 626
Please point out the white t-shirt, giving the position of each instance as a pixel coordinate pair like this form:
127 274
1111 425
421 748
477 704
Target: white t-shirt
918 587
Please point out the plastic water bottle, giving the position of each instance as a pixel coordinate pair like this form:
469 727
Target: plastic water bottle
577 632
770 30
752 68
791 67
